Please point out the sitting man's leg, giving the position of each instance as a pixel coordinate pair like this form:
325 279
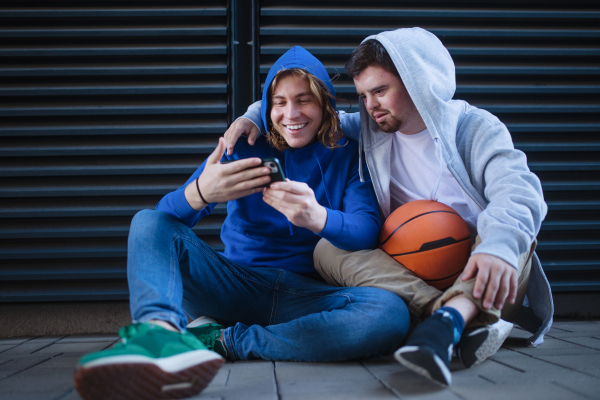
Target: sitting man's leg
155 357
375 268
486 328
281 315
310 321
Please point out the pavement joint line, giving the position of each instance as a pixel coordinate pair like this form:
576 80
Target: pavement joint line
31 366
227 378
385 385
508 366
560 329
7 361
111 344
571 390
553 363
277 393
486 379
48 345
578 344
17 345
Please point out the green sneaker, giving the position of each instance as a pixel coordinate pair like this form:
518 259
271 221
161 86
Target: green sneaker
208 331
150 362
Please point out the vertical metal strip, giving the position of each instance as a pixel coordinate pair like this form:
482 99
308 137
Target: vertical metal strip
241 56
256 92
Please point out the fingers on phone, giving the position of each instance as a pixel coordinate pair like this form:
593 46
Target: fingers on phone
254 183
243 164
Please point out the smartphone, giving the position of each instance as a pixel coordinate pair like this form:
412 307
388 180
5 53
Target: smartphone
276 174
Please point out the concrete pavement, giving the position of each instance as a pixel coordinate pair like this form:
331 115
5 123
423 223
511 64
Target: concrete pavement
565 366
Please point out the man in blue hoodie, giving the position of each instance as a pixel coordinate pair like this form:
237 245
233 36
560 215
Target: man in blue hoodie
419 143
261 289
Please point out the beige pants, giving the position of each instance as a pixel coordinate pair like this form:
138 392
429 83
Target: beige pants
375 268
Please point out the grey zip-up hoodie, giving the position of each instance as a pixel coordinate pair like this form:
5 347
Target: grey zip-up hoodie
477 149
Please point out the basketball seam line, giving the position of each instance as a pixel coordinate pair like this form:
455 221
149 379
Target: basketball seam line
416 216
419 251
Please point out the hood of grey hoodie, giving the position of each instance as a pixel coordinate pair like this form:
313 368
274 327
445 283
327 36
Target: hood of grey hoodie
427 71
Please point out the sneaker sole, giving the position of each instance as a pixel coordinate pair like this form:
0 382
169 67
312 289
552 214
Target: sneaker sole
144 378
424 363
486 341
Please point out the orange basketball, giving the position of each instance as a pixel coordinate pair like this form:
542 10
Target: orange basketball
428 238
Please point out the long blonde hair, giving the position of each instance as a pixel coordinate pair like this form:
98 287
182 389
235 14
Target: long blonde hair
330 132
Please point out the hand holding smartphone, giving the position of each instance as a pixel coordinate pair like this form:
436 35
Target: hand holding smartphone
276 172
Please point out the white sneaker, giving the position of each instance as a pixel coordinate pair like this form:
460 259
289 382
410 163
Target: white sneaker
478 344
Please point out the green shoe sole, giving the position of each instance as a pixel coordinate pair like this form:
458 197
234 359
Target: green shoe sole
131 377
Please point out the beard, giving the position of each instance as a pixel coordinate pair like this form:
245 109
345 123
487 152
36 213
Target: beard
390 124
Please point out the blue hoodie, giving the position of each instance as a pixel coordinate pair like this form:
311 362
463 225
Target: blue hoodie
257 235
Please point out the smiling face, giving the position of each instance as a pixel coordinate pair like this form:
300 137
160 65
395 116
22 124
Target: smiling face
295 113
388 101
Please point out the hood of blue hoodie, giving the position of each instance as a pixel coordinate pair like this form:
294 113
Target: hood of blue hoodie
296 57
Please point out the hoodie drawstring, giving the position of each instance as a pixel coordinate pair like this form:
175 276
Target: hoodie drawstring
438 148
323 176
360 157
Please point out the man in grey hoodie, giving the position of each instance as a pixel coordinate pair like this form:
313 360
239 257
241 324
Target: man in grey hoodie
421 144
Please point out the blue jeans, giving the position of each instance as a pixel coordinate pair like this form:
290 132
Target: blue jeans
271 314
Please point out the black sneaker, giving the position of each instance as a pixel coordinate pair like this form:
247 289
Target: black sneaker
478 344
428 350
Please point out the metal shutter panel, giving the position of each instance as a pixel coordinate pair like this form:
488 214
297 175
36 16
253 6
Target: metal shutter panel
105 106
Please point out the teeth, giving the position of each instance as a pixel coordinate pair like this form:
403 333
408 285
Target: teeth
294 127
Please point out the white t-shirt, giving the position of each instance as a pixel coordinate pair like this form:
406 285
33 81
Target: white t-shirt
415 169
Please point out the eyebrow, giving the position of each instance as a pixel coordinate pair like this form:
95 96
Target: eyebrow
384 86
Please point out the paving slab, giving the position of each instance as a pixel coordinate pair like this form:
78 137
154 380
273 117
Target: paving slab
243 380
344 380
26 348
515 391
586 364
406 384
73 348
574 330
13 341
553 346
12 366
48 375
107 337
590 342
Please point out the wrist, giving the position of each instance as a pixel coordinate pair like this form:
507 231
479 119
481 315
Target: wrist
202 198
320 219
192 197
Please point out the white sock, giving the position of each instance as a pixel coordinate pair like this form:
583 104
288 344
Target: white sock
164 324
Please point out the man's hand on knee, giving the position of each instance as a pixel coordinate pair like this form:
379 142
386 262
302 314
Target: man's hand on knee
496 278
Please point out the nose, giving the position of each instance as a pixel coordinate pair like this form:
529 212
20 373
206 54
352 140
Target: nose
292 110
371 102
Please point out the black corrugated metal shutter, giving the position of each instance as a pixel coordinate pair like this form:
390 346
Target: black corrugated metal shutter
536 65
105 106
